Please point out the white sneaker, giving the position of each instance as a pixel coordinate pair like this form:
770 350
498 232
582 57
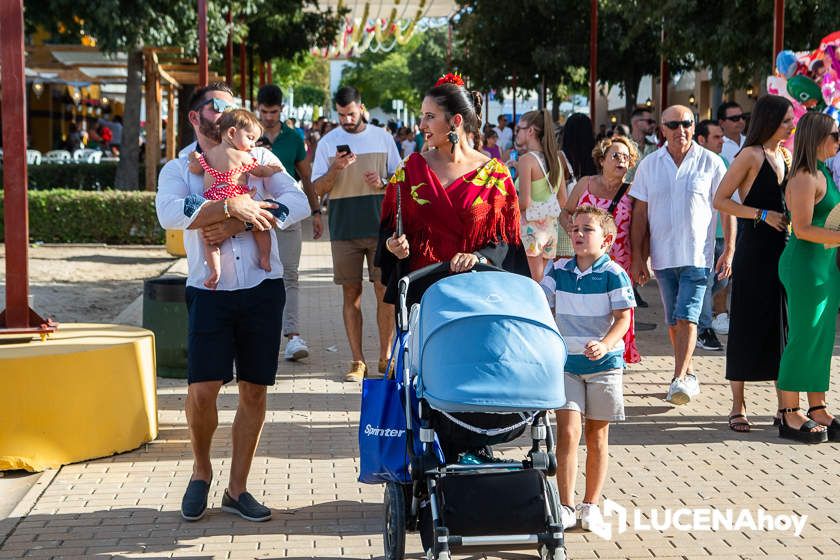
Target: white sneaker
720 324
296 349
590 517
692 384
567 517
678 392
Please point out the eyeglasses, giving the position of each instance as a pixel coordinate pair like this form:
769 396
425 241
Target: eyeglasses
674 125
836 135
618 156
735 118
218 105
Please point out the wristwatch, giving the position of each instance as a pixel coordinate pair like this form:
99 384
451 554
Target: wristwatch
316 212
249 226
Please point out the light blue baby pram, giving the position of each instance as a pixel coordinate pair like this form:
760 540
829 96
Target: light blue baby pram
482 353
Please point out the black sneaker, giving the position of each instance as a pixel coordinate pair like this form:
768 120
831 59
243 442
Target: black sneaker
194 502
708 340
246 507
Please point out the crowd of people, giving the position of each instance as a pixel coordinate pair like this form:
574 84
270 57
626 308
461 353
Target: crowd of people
691 204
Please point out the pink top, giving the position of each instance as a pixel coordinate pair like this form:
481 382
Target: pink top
620 251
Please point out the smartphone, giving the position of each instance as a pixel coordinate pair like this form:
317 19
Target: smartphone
343 148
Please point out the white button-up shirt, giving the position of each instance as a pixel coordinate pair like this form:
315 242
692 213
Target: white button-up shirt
680 212
731 148
240 256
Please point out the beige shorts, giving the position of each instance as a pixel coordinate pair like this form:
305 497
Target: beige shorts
598 396
349 258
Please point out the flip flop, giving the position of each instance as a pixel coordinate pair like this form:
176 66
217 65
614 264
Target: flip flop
740 427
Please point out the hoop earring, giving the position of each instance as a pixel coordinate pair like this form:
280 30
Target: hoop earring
453 138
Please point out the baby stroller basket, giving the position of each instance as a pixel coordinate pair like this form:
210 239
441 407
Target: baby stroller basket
486 343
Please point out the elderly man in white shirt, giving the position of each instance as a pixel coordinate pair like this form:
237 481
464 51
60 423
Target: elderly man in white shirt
241 320
674 188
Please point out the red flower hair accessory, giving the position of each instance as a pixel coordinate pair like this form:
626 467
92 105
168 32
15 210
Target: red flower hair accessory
450 78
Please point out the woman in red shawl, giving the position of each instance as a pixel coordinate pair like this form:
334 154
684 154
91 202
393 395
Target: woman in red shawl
457 205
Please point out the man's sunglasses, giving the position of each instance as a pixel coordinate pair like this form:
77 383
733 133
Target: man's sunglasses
674 125
835 135
218 105
735 118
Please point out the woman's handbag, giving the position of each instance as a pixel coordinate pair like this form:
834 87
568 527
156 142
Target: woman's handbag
547 208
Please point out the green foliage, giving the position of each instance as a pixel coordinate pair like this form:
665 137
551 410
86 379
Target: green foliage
427 62
738 34
77 176
311 95
285 28
382 77
72 216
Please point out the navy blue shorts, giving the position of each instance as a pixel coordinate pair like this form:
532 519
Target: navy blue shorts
241 326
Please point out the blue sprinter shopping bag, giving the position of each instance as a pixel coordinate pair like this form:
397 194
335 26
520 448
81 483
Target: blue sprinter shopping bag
383 456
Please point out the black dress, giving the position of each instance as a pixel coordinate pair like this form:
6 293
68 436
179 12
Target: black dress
758 311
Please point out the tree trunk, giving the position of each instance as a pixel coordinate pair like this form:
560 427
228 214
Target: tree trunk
128 172
631 91
555 104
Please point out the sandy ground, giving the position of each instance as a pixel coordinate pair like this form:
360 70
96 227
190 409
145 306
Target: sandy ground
87 283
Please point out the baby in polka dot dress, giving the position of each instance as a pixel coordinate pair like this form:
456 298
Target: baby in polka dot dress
226 167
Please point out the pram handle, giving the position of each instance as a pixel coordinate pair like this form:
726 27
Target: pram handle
429 270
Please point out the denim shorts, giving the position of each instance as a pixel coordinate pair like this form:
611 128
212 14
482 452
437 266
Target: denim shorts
682 290
238 326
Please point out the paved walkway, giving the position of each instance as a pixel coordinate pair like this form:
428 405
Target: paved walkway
126 506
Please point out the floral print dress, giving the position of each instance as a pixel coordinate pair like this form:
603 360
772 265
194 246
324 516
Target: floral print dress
620 253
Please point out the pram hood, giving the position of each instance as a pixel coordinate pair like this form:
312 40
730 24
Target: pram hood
486 342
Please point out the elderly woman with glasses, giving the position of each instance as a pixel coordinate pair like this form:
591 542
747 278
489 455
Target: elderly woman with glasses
608 190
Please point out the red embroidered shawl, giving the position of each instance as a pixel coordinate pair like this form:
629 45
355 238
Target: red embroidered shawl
476 210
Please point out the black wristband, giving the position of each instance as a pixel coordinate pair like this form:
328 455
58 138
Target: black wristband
316 212
249 226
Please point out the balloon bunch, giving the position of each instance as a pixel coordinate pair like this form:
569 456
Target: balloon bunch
811 80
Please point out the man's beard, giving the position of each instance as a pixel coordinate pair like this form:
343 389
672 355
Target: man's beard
209 128
352 128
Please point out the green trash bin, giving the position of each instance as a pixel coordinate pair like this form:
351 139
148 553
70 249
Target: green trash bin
165 314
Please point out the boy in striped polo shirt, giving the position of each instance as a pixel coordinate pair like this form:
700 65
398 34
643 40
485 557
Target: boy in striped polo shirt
591 296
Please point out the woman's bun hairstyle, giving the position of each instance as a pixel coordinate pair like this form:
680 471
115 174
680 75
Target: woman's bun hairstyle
450 94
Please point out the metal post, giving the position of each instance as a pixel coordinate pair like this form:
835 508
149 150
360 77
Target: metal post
15 202
229 50
17 317
664 78
202 43
593 58
778 30
268 72
243 78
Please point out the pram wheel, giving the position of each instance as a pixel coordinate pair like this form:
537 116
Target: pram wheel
395 507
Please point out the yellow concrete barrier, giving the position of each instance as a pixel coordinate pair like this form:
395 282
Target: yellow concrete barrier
88 391
175 243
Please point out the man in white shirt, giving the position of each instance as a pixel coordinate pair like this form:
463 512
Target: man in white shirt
505 133
674 188
733 121
241 320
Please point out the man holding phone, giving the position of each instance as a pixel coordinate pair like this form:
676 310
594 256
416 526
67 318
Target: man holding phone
353 164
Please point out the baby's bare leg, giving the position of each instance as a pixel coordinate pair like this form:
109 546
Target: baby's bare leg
213 256
263 240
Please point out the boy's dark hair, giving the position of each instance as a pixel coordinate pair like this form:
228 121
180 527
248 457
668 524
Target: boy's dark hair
270 95
702 128
200 95
721 112
347 95
118 119
601 216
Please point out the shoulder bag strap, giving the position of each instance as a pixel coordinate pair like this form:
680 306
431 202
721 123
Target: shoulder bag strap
614 204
